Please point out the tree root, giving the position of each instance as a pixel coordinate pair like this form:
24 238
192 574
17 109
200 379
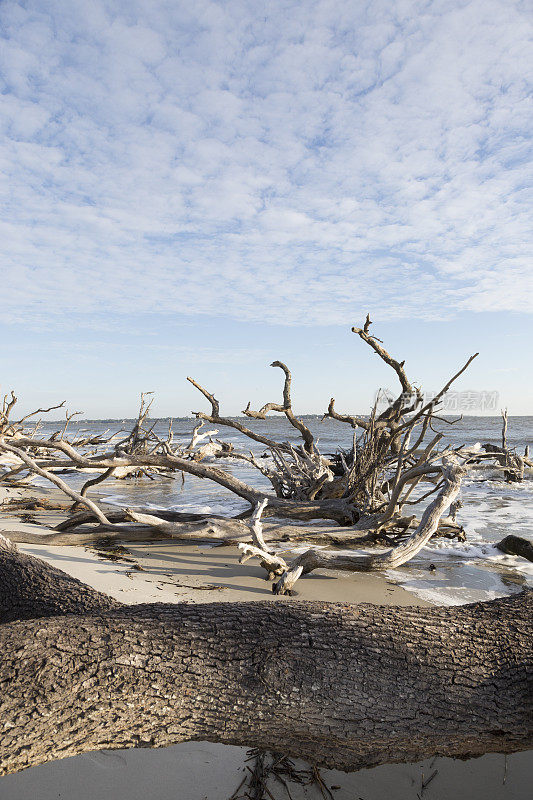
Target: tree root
356 562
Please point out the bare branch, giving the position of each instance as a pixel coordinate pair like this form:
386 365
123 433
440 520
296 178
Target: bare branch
504 429
286 408
432 404
55 480
40 411
256 526
68 417
215 405
355 422
382 353
215 419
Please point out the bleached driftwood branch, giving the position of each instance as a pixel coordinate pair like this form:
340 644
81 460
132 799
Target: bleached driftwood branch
313 558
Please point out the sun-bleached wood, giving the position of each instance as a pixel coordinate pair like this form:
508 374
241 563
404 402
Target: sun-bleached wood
313 558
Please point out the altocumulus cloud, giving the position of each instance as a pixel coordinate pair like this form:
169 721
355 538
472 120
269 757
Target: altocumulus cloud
282 161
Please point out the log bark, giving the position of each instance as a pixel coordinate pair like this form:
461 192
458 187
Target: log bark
208 530
85 517
32 589
344 686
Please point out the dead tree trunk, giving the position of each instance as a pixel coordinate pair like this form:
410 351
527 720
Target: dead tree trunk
344 686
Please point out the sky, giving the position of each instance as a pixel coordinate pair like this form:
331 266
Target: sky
202 188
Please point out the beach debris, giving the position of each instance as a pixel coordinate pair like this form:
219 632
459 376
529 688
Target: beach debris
426 781
452 473
374 492
24 504
269 768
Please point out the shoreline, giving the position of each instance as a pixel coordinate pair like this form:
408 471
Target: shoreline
173 571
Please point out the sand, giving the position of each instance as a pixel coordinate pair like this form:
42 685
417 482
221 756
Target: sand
175 572
203 771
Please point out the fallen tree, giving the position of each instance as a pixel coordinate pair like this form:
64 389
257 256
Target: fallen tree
366 491
342 686
313 559
360 487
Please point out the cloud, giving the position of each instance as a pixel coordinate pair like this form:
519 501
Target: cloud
300 164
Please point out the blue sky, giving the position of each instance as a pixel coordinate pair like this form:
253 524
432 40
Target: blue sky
205 187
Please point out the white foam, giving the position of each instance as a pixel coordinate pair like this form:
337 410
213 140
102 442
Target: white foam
451 597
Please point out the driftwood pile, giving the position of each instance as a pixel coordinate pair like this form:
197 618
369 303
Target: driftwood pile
338 685
397 460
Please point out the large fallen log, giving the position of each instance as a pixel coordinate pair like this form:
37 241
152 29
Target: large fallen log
340 685
186 527
176 526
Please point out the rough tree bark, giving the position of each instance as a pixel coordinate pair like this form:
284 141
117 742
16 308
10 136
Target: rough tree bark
340 685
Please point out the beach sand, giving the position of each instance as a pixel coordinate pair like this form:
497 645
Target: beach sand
204 771
174 572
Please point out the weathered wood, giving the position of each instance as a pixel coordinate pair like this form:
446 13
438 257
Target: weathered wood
286 408
273 563
32 464
95 481
372 482
340 685
256 526
85 517
338 509
356 562
207 528
200 529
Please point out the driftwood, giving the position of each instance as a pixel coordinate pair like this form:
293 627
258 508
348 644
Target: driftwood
122 515
366 490
315 559
504 458
336 509
163 524
286 408
343 686
172 525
